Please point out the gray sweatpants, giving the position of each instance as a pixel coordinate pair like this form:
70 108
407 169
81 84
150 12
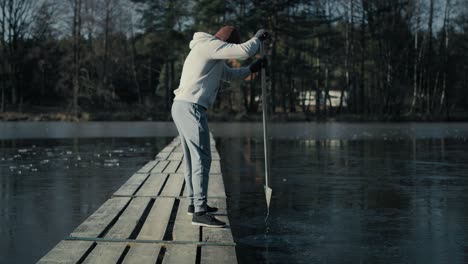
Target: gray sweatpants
192 124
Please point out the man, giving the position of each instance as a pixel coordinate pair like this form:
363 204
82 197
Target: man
204 67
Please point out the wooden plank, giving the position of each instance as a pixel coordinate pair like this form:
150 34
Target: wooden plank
153 185
181 169
219 203
218 255
142 254
215 166
172 167
166 170
180 254
178 149
162 164
106 253
127 222
215 156
158 219
175 141
162 155
176 156
66 252
148 166
132 184
168 148
99 220
218 234
216 186
183 228
173 185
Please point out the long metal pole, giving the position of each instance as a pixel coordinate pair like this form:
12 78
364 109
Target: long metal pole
265 109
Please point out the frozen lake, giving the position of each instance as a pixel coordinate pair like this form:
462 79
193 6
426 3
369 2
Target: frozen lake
342 192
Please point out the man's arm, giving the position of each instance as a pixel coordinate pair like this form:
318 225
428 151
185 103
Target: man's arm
230 74
222 50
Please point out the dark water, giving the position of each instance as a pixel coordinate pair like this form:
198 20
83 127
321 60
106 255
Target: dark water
344 201
49 186
342 193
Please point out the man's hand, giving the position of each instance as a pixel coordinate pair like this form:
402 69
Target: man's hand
262 34
257 65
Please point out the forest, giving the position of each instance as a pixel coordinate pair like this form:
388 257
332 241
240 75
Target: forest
328 59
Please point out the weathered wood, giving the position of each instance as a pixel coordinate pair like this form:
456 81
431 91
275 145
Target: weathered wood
168 148
180 254
162 155
127 222
162 164
132 184
183 228
153 185
105 253
172 167
99 220
157 220
148 166
176 156
66 252
163 176
212 139
219 203
175 141
216 186
178 149
218 234
215 156
142 254
215 166
218 255
173 185
181 168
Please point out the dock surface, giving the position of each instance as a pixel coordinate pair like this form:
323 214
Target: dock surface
146 221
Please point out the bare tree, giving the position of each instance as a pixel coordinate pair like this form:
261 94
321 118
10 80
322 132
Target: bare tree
16 20
348 6
445 40
77 5
417 54
3 52
109 8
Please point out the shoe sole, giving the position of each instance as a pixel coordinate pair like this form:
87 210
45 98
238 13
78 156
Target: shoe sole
205 225
208 212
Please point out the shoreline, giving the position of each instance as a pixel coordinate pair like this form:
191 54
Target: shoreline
219 117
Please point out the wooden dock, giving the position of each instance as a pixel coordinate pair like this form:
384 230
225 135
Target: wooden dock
146 221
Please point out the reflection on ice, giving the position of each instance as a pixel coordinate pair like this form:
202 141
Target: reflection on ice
350 201
111 162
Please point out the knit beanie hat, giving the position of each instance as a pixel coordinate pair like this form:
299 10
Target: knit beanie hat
228 34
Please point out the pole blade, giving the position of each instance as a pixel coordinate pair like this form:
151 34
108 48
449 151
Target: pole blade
268 192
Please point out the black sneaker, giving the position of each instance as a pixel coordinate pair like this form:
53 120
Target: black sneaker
206 220
209 209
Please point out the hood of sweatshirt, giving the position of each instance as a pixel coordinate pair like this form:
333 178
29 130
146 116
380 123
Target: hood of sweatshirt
200 37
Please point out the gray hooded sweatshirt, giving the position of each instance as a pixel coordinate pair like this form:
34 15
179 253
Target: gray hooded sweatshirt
205 66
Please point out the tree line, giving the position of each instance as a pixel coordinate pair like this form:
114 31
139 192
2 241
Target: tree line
380 58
